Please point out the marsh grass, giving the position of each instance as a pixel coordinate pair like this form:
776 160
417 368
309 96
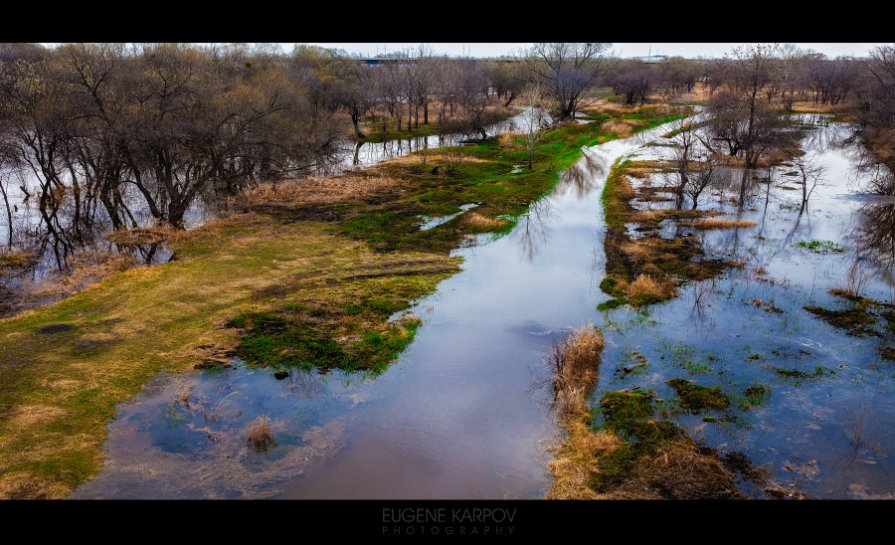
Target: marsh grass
260 434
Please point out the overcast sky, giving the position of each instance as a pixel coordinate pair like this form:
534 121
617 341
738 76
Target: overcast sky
620 49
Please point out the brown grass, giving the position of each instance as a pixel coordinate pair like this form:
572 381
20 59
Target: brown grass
622 127
647 286
480 221
715 223
435 157
259 434
810 107
678 470
507 140
13 260
573 364
347 188
658 215
577 459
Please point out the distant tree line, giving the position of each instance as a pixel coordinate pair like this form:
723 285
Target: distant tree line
101 130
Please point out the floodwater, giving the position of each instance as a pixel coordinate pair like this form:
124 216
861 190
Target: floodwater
453 418
831 432
19 285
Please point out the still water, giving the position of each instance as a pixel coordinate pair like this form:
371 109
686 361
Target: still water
455 417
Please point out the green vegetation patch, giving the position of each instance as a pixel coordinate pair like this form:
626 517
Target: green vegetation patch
443 180
857 321
695 398
818 371
754 396
820 246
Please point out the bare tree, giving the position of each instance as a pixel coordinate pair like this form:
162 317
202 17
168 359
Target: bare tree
567 70
811 175
534 118
633 79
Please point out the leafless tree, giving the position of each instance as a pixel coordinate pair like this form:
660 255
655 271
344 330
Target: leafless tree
534 118
567 71
811 175
633 79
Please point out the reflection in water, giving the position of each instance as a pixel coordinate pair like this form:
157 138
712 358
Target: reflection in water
531 231
451 419
875 237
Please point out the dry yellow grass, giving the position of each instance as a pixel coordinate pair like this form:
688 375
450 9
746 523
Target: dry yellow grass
678 470
60 390
647 286
12 260
577 460
259 434
644 216
622 127
86 268
347 188
715 223
432 157
480 221
507 140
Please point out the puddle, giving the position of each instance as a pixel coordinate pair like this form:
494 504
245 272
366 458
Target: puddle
431 223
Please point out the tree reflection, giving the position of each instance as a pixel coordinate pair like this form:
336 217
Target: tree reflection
531 233
875 237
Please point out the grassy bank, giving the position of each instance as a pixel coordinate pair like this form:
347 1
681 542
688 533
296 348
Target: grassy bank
67 366
306 275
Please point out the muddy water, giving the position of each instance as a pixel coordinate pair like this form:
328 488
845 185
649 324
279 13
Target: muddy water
453 418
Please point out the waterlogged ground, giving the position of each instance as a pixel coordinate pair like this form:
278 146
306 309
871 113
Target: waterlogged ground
453 418
808 401
456 417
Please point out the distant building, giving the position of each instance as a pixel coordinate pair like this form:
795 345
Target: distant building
380 59
652 59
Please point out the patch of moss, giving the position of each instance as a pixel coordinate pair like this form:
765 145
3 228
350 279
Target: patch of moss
818 371
610 286
887 352
623 407
755 395
695 398
611 304
857 320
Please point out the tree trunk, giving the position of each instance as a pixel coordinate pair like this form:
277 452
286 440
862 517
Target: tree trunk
8 215
355 120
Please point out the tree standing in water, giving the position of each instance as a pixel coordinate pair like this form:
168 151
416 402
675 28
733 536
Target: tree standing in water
533 119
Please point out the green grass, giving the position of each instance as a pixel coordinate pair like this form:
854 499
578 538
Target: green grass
695 398
821 246
475 173
60 389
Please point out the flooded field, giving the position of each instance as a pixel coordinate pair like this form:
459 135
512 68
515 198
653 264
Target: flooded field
456 416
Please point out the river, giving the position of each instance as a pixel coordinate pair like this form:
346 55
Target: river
456 416
453 418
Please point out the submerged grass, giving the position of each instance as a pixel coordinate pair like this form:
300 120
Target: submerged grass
649 269
630 455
